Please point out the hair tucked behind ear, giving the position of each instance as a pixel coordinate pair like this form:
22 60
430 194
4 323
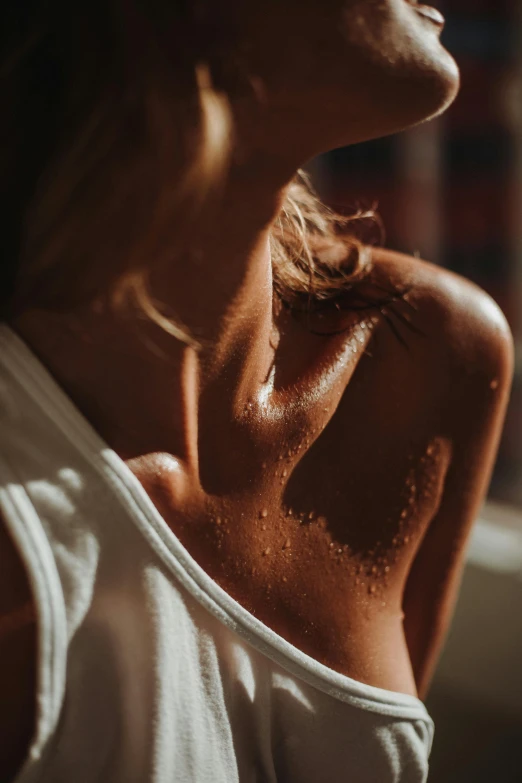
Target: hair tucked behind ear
113 139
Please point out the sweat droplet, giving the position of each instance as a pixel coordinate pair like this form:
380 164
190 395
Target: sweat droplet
264 513
311 515
267 551
284 473
263 527
288 544
332 545
218 520
494 385
372 589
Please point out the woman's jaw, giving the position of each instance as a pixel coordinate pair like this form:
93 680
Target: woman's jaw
344 71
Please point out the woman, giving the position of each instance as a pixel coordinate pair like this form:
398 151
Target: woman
241 452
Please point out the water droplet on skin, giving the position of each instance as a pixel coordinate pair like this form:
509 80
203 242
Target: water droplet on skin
375 570
430 451
372 589
339 551
404 514
290 512
288 544
264 513
311 515
263 527
284 473
288 453
387 570
267 551
218 521
285 579
332 545
494 385
406 539
253 571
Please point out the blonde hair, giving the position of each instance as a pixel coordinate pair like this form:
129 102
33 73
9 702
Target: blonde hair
115 158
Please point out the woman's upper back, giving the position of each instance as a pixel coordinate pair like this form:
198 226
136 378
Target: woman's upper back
319 528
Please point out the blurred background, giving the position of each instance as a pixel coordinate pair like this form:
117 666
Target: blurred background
451 192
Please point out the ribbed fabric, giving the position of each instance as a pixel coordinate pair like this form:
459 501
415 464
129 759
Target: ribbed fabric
148 671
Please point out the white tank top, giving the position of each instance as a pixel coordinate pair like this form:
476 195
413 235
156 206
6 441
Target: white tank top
148 672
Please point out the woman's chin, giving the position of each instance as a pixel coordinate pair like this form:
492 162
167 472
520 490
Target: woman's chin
434 90
404 100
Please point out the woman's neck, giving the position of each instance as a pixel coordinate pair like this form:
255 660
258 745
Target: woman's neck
142 389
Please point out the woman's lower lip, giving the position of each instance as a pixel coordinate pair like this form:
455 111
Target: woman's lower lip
430 13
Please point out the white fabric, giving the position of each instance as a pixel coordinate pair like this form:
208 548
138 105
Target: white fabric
148 671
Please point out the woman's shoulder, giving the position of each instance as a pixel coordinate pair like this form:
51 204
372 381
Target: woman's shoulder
441 355
465 327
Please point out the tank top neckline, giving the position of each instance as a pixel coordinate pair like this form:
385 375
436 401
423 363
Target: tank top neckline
55 405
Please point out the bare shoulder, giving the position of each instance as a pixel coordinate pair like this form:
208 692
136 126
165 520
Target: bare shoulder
461 365
17 658
463 323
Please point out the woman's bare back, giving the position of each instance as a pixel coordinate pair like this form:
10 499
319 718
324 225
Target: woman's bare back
316 505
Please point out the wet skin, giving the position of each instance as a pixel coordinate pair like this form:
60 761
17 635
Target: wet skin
327 483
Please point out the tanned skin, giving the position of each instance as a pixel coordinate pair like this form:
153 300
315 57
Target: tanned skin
345 457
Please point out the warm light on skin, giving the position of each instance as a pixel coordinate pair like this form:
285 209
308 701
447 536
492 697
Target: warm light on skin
242 425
